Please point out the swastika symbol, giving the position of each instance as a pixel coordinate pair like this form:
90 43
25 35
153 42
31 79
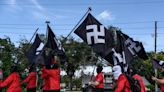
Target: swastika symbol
95 34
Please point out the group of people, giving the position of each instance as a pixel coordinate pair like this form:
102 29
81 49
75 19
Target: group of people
121 81
51 79
50 76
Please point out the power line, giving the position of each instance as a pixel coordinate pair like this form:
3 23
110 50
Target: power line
134 22
84 4
18 33
26 28
30 28
4 24
24 33
30 24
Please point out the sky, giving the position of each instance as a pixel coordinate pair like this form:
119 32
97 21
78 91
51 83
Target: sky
20 18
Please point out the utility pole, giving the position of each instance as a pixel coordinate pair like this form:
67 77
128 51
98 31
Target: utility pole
155 51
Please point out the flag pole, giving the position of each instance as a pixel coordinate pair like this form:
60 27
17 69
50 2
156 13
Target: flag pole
47 22
88 11
93 55
33 35
28 47
155 51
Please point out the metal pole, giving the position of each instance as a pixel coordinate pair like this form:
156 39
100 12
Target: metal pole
155 51
89 9
47 22
33 35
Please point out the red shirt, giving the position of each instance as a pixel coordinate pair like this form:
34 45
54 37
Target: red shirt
13 83
122 84
31 80
162 88
45 79
53 78
0 81
139 78
100 79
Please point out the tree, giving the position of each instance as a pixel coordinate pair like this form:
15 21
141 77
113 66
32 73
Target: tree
24 45
77 52
8 54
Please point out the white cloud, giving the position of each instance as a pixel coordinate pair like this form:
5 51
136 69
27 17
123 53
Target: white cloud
39 11
105 15
38 6
14 7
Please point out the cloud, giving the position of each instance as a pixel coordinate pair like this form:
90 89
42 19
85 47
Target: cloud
39 11
105 15
37 5
14 7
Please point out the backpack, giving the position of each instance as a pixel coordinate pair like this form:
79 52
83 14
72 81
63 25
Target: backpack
134 84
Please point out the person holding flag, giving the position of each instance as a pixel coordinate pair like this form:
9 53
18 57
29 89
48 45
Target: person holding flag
31 80
99 80
159 64
51 72
45 86
12 81
133 73
160 81
51 76
122 83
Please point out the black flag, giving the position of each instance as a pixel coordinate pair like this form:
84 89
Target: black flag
96 35
158 64
31 53
133 48
126 49
50 48
51 41
122 49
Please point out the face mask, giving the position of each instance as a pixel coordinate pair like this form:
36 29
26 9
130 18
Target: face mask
116 72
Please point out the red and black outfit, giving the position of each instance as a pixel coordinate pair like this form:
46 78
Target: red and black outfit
51 78
13 83
99 78
162 86
1 81
31 80
45 80
122 84
0 84
139 78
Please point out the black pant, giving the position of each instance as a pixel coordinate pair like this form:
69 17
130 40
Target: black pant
51 90
98 90
31 89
